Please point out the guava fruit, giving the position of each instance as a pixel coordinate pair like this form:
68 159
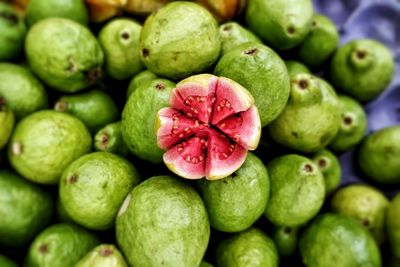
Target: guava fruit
7 120
93 187
163 222
224 10
233 35
392 225
176 54
139 79
104 255
333 240
12 33
234 203
365 204
22 91
119 39
330 167
296 67
379 155
261 71
211 124
110 139
6 262
353 126
281 24
297 190
64 54
94 108
285 239
248 248
311 119
362 68
141 7
102 10
321 42
46 142
25 209
37 10
138 118
60 245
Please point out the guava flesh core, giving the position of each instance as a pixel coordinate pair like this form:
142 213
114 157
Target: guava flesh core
211 124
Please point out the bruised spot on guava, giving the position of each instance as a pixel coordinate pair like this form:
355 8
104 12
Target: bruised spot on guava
43 248
314 23
295 135
365 222
17 148
160 86
73 179
291 30
125 205
347 120
145 52
303 84
361 54
287 230
10 17
322 163
308 168
93 74
61 105
251 51
125 35
105 252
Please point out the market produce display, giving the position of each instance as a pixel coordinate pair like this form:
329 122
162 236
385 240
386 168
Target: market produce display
199 133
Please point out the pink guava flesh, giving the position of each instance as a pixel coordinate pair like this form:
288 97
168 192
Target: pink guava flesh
211 124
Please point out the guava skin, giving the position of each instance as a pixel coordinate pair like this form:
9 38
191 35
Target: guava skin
330 167
103 256
297 190
311 118
25 209
94 108
321 42
64 64
365 204
379 155
37 10
234 203
261 71
22 91
120 42
234 35
46 142
110 139
392 226
140 78
163 222
7 121
248 248
281 24
179 40
362 68
12 33
296 67
336 240
93 187
138 117
60 245
353 126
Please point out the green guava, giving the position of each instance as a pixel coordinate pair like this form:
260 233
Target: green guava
119 39
103 256
109 139
7 121
233 35
296 67
64 54
46 142
330 167
163 222
139 79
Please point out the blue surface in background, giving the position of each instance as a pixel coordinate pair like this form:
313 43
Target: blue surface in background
380 20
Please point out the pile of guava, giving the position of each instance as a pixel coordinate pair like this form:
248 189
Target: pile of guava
226 133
